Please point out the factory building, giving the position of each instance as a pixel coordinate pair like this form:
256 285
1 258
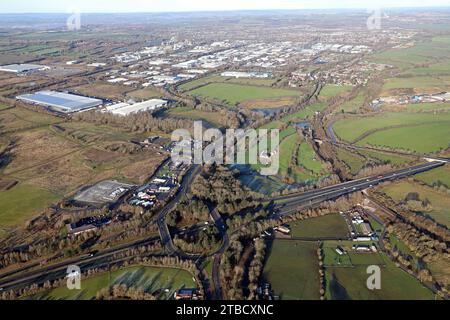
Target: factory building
124 109
60 102
23 68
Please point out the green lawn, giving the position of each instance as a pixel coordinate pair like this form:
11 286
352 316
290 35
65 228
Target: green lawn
292 270
150 279
332 225
344 283
22 202
234 94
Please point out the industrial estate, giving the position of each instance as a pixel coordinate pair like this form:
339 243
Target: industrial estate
87 178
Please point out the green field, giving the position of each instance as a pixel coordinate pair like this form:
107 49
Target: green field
344 283
428 106
22 202
422 139
150 279
234 94
440 202
292 270
219 79
306 113
353 161
214 118
386 157
329 91
287 149
421 133
308 159
332 225
354 104
436 177
425 52
414 83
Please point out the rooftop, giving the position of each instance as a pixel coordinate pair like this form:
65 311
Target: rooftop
64 102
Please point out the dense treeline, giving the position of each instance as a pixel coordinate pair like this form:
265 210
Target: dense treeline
220 186
136 122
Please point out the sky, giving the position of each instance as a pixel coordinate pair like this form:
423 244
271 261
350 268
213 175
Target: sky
106 6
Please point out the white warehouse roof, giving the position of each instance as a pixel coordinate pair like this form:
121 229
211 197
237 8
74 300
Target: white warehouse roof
124 109
20 68
63 102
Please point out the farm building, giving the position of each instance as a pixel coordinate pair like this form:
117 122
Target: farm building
61 102
124 109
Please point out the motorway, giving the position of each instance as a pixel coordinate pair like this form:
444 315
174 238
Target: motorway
289 204
284 205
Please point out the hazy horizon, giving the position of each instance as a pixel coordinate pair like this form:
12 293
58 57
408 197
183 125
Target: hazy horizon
175 6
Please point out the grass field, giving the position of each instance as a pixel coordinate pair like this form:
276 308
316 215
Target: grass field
234 94
150 279
219 79
425 52
428 107
144 94
307 112
386 157
292 270
435 177
424 139
308 159
417 83
22 202
287 149
332 225
353 161
344 283
421 133
354 104
17 119
440 202
214 118
330 91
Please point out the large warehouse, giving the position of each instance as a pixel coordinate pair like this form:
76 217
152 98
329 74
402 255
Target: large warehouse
124 109
61 102
23 68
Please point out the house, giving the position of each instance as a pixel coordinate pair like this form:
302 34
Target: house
187 294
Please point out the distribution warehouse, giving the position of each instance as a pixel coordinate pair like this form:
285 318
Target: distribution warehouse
61 102
22 68
124 109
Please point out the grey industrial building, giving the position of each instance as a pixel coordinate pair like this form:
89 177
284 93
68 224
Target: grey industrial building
22 68
61 102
